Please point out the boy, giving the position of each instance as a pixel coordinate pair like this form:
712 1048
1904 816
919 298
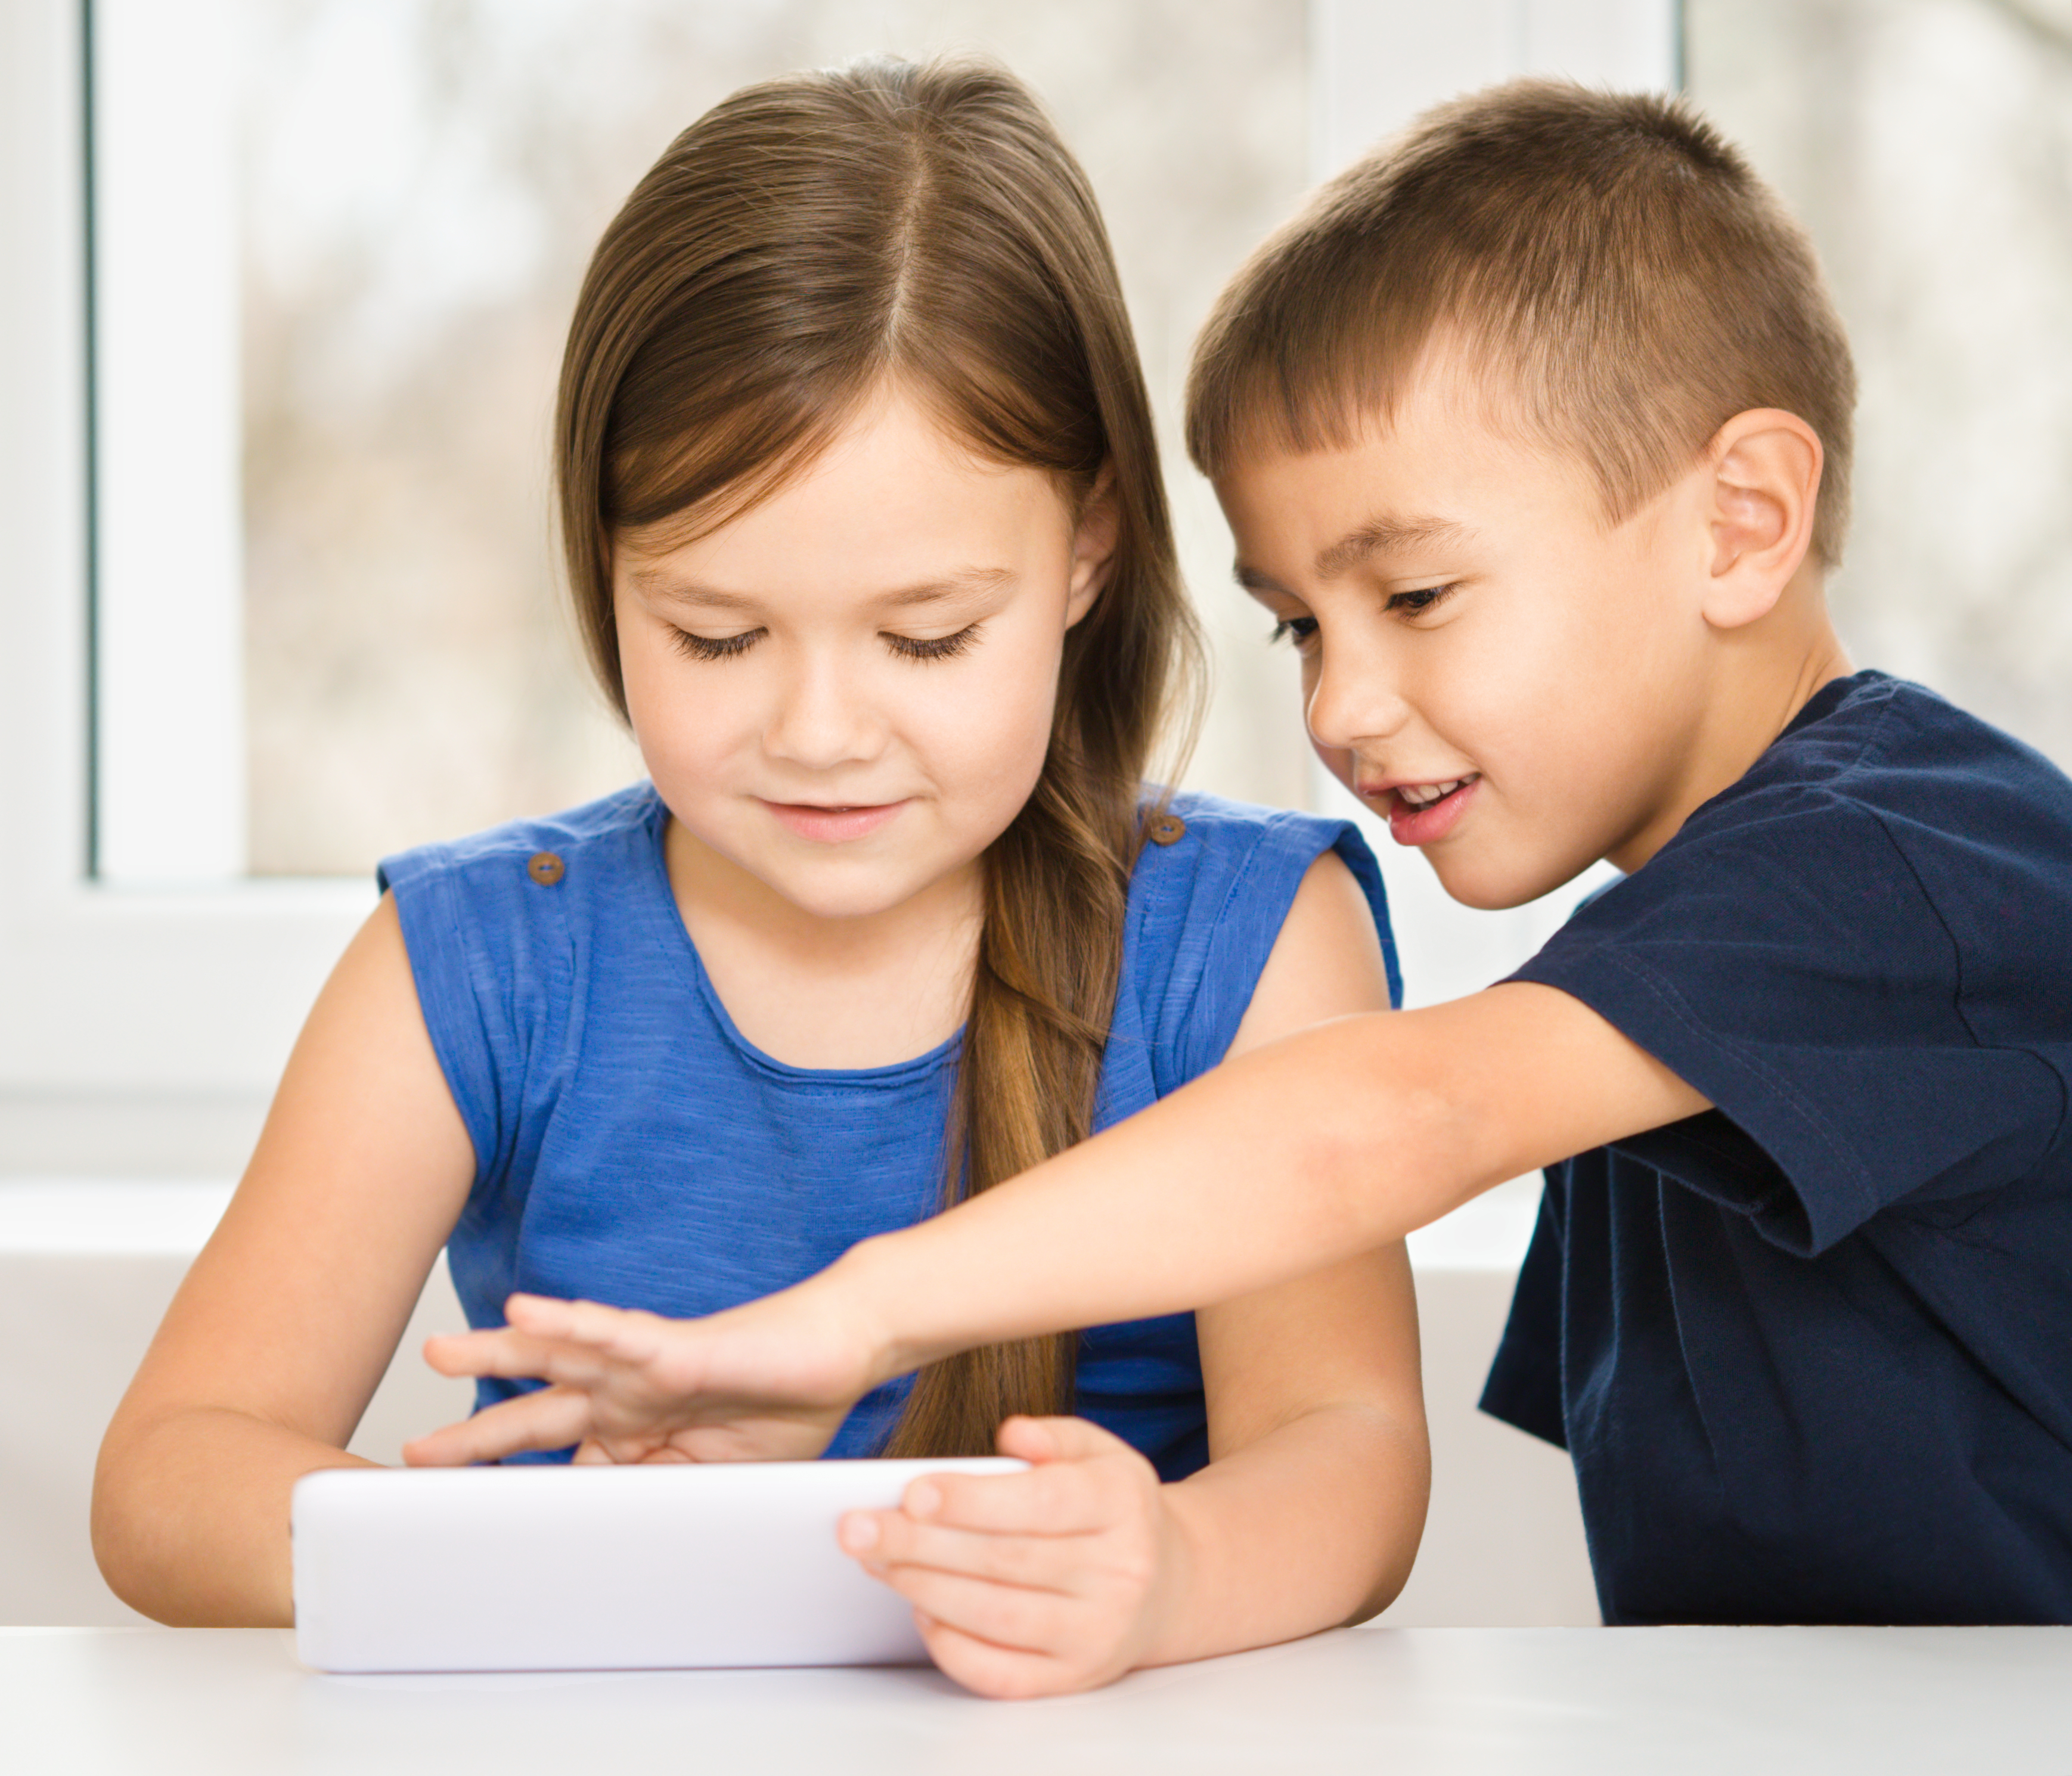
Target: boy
1534 434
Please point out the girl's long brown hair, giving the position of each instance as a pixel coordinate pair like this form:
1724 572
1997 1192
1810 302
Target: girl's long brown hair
801 244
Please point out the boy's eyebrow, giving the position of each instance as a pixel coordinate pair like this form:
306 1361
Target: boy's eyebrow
660 583
1385 536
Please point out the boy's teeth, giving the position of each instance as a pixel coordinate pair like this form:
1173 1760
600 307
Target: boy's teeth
1424 794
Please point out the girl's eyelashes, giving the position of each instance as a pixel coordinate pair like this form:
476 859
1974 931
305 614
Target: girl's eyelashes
713 646
1300 630
934 647
908 647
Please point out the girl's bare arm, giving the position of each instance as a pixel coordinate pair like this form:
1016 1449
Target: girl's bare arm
283 1327
1310 1510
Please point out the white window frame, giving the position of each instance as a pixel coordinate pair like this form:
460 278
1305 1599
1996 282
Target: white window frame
167 975
107 993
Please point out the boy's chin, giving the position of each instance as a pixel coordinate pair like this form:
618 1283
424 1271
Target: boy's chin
1496 884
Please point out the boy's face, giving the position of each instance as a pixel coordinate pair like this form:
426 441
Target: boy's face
1519 688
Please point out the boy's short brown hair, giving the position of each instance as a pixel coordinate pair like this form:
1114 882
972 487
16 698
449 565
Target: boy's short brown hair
1629 281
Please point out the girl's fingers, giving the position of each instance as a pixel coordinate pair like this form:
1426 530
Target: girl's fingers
1006 1615
987 1670
1041 1440
1061 1498
888 1539
552 1418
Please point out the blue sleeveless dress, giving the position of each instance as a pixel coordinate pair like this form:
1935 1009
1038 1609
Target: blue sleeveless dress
631 1146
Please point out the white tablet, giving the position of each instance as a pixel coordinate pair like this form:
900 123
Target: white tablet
568 1568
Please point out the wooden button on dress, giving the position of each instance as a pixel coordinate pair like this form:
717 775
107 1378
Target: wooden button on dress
1167 829
545 869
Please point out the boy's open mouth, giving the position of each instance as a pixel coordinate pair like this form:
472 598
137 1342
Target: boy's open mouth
1418 813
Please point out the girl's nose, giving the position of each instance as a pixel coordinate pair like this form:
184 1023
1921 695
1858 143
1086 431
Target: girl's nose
823 718
1354 699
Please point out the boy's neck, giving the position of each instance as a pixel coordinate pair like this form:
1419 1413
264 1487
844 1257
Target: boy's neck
1767 672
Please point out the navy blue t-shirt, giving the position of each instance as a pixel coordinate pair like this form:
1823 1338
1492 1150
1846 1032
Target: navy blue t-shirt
1812 1350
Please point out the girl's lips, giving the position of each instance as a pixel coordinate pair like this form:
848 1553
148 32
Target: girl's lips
1408 825
833 825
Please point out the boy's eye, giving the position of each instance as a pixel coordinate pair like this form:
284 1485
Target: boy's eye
1300 630
714 647
1411 603
933 647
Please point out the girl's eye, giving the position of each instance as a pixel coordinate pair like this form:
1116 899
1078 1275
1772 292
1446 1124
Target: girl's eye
1301 631
933 647
714 647
1412 603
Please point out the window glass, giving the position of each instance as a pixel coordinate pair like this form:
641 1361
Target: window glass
422 182
1928 145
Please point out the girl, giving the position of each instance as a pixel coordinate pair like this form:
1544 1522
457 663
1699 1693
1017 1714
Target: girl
863 515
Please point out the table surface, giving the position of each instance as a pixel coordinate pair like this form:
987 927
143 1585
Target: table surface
1689 1701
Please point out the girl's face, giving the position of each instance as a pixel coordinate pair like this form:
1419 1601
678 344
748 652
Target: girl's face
846 691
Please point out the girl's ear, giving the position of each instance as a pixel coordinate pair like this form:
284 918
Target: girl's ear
1093 546
1764 490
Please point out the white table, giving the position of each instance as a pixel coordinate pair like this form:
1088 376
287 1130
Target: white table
1523 1702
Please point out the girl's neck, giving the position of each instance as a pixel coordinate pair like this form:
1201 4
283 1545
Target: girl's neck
813 991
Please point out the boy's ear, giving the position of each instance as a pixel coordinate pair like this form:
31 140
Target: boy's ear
1764 490
1093 546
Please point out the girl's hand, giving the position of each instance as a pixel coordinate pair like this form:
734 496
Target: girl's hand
1034 1584
769 1382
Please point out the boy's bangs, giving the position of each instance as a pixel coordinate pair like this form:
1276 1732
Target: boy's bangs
1605 262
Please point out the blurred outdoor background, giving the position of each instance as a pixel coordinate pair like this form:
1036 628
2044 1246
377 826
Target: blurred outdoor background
423 179
1928 145
423 182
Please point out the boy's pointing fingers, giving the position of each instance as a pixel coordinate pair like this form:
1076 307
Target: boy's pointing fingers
549 1419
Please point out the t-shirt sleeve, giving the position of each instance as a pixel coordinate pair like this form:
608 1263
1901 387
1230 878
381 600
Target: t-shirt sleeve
477 969
1789 963
1217 901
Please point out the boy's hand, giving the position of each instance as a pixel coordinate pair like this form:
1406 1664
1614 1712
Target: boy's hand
761 1382
1034 1584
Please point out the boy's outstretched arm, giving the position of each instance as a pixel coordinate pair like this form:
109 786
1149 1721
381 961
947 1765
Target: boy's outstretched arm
1327 1143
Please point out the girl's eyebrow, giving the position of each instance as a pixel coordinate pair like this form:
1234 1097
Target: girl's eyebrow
960 583
659 582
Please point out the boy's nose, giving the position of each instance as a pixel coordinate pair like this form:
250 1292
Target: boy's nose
1354 701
